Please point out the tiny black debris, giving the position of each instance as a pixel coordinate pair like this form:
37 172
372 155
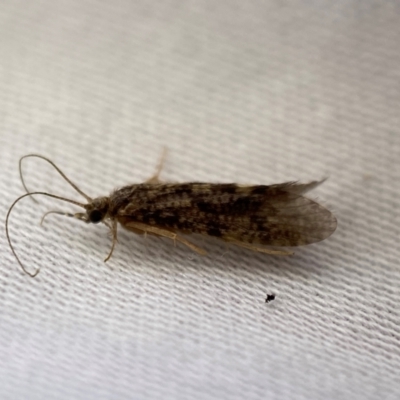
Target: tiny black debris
270 297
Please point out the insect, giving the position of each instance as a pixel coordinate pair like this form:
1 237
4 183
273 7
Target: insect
248 216
270 297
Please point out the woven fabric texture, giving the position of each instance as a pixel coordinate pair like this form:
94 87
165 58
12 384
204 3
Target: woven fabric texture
238 91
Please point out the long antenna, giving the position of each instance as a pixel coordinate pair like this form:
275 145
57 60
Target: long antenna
89 199
8 215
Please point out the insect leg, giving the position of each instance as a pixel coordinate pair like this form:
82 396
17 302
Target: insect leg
113 228
260 249
154 230
155 177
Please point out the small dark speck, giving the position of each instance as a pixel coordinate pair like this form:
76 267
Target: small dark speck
270 297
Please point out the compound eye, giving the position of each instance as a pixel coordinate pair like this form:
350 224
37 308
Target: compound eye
95 216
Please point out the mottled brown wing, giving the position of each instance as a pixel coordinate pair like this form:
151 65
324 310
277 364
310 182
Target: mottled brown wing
276 215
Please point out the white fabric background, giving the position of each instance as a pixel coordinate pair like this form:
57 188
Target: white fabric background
245 91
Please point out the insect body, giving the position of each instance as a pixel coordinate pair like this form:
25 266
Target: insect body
247 216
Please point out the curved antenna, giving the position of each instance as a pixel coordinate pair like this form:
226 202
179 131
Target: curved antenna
56 168
8 215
